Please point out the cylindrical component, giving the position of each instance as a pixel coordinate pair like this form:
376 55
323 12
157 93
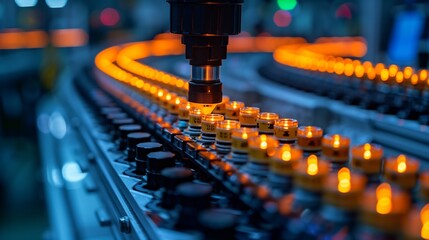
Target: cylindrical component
367 159
335 148
171 178
208 127
384 208
223 135
240 138
285 160
204 73
402 171
218 224
134 139
310 138
119 122
311 174
156 162
249 116
195 119
174 105
142 150
285 130
124 130
184 108
282 167
261 149
193 198
265 122
232 110
344 189
239 145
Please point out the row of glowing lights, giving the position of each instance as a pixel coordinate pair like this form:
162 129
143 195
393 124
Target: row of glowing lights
17 39
104 62
391 74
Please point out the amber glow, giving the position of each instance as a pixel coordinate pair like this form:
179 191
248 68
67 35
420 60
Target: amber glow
408 71
268 116
228 124
384 75
423 75
336 143
312 165
384 199
263 144
399 77
286 155
424 218
401 162
69 37
244 133
344 184
367 151
235 105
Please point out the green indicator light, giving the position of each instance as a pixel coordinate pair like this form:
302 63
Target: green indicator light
286 4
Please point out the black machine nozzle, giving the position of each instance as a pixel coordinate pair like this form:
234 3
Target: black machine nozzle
205 27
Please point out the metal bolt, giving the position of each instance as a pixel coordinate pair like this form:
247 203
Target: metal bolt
125 224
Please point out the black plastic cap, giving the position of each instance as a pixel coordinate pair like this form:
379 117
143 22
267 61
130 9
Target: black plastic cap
143 149
195 195
137 137
205 91
156 161
172 177
122 121
218 223
127 129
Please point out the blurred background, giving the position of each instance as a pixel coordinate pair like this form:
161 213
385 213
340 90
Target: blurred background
38 38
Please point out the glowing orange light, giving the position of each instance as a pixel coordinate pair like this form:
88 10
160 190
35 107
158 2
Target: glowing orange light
344 184
414 79
263 144
423 75
69 37
401 162
312 165
399 77
286 155
384 199
336 143
424 218
367 151
393 69
384 75
408 71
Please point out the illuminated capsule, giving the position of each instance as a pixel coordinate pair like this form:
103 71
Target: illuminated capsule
194 125
310 138
311 174
343 190
208 127
248 117
166 99
265 122
261 149
239 145
282 167
335 149
367 159
417 223
402 171
232 110
174 104
224 135
285 130
382 209
220 108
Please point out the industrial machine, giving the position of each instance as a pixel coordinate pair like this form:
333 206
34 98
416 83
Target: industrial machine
128 156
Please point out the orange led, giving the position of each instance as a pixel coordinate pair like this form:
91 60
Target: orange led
344 184
399 77
414 79
384 199
312 165
384 75
359 71
367 151
393 69
408 71
423 75
424 218
401 162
